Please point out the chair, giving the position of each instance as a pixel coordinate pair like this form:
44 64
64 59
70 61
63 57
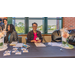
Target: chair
56 36
26 39
20 39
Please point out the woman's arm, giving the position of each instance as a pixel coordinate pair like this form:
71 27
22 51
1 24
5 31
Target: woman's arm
40 36
28 37
15 35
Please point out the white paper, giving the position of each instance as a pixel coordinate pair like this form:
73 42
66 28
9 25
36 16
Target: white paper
13 43
40 45
54 44
18 45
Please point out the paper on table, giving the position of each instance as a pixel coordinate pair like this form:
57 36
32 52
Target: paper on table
54 44
13 43
40 45
18 45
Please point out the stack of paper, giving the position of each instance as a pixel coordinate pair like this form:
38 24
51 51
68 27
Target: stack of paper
13 44
18 45
54 44
6 53
40 45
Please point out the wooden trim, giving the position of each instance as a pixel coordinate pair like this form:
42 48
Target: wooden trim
42 35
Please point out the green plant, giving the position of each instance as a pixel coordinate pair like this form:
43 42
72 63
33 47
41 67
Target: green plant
1 43
20 28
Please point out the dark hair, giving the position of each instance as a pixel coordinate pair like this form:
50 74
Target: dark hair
4 19
11 27
9 32
0 19
34 23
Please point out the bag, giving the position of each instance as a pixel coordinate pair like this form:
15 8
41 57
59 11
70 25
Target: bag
56 36
72 37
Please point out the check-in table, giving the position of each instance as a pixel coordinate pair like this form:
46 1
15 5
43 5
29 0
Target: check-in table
41 52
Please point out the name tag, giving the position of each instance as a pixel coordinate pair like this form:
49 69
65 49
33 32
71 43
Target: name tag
37 38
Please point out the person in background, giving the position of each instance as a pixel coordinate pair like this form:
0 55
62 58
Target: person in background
11 34
0 28
34 36
4 27
1 23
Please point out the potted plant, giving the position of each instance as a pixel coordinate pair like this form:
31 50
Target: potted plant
65 36
1 40
2 34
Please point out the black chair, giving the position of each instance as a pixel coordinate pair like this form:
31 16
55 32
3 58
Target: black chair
56 36
20 39
26 39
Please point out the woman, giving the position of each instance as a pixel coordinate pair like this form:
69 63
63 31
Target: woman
1 23
34 36
11 34
0 28
5 25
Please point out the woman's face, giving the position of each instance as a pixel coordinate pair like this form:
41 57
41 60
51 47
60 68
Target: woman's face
34 27
9 28
5 21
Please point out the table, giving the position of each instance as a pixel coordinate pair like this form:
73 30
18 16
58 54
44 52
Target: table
42 52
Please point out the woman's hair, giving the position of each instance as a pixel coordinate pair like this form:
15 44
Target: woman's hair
9 32
0 19
11 28
4 19
34 23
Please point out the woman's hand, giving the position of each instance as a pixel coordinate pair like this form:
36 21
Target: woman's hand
36 41
39 41
33 41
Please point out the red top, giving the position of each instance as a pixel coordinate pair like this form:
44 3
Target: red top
35 36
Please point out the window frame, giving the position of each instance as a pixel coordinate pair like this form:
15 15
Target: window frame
45 24
61 24
38 19
13 18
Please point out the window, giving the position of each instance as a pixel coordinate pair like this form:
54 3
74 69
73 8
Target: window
54 23
45 24
19 23
38 20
